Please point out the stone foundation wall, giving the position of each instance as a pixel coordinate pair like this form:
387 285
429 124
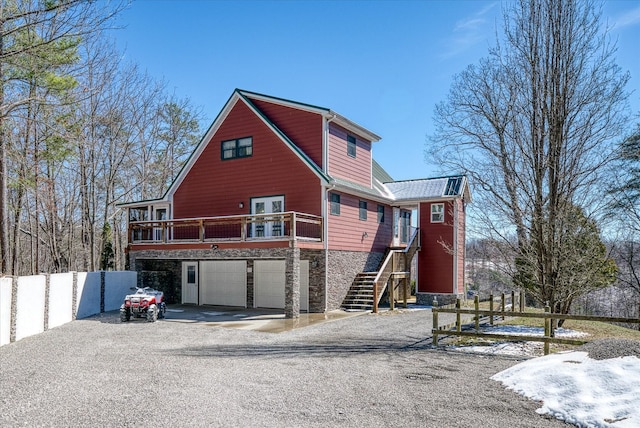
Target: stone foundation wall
436 299
163 269
316 279
342 268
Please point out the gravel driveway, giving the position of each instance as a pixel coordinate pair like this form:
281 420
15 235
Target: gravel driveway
370 370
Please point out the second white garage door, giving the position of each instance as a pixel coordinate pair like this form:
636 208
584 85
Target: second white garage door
223 283
269 279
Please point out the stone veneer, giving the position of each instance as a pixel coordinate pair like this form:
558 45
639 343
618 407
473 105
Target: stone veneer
436 299
342 268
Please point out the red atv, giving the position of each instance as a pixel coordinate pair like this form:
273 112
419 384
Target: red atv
144 303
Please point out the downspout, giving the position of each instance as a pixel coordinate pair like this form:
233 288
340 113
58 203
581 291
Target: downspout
325 201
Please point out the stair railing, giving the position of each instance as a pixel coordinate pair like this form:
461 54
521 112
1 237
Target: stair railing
388 267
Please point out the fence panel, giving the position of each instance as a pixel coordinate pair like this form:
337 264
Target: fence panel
117 285
60 299
5 310
30 305
88 302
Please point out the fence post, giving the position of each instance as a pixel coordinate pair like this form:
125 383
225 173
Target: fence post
490 309
513 301
458 323
547 329
435 326
521 296
503 306
476 304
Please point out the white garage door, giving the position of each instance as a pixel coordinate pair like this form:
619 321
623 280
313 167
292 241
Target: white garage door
223 283
269 284
268 280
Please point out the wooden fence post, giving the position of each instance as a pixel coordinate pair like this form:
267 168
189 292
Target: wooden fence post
491 309
435 326
503 305
476 304
522 300
513 301
458 323
547 329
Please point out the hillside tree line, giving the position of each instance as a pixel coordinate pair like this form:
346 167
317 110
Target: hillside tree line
80 132
536 125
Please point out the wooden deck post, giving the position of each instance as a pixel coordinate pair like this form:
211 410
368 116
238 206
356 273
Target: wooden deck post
375 297
405 287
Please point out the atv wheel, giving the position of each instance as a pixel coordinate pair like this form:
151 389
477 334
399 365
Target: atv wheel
162 310
152 313
125 315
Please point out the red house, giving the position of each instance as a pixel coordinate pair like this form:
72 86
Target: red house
281 205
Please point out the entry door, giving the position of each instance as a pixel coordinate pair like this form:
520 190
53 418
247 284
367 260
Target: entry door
190 282
405 226
161 214
267 228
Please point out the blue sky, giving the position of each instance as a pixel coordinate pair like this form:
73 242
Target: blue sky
382 64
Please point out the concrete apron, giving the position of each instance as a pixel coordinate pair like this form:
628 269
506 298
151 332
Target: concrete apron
264 320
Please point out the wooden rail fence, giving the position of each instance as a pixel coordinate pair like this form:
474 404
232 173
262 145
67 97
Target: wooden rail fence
455 329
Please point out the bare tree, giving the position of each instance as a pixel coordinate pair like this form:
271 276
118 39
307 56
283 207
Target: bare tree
28 30
532 126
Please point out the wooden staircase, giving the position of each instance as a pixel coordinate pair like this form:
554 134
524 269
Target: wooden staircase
360 295
367 288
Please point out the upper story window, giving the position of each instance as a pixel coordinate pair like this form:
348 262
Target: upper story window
351 146
380 213
239 148
437 213
335 204
363 210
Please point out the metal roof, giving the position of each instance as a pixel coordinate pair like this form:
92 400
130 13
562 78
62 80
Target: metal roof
428 188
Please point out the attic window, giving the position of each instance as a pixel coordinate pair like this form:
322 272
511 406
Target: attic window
351 146
239 148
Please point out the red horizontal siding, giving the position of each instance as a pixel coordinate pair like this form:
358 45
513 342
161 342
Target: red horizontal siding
302 127
460 255
435 261
358 169
214 187
346 230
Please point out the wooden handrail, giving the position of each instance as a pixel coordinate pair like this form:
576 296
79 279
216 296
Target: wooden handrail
388 267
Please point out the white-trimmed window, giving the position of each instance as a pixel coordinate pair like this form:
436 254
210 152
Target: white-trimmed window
335 204
380 213
351 146
437 213
239 148
363 210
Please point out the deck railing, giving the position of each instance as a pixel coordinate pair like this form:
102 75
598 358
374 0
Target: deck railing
255 227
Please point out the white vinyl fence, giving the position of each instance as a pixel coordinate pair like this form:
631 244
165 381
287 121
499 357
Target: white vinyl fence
33 304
